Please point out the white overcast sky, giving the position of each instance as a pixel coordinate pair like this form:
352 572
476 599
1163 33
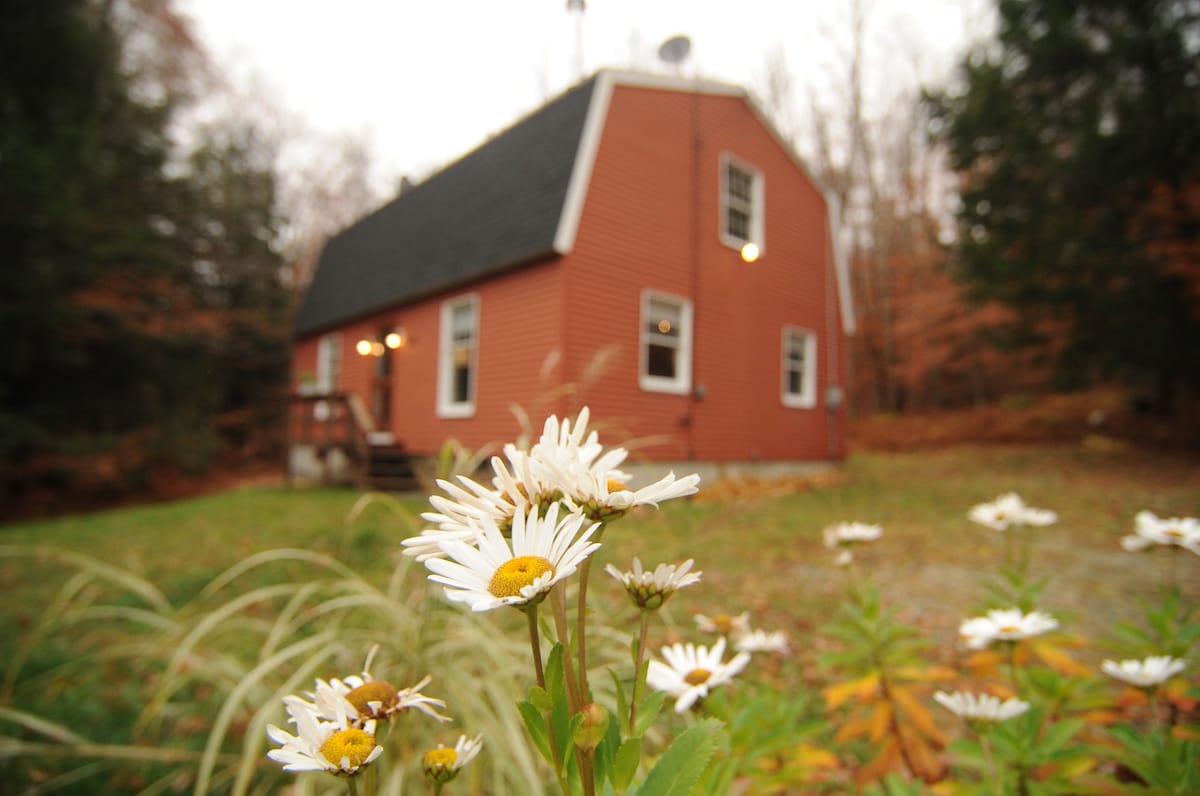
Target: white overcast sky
425 81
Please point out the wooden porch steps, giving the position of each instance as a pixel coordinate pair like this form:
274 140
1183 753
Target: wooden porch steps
389 468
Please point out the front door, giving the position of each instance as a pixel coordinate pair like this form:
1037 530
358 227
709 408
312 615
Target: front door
381 387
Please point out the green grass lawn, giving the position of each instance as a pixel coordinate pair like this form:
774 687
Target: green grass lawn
761 553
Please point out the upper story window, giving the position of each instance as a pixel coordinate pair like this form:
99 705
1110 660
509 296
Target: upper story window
458 355
666 344
741 204
799 368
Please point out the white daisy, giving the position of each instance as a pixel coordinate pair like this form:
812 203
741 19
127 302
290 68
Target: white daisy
1006 624
1151 671
1010 510
851 533
723 624
691 671
1149 529
442 765
333 746
573 462
980 707
761 641
651 589
543 551
378 699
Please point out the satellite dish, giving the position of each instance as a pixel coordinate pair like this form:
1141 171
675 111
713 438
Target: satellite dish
675 49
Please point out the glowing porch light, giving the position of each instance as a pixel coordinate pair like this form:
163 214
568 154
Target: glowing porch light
395 339
363 347
750 252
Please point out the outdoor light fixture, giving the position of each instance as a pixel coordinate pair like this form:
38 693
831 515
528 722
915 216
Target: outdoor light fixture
750 252
395 339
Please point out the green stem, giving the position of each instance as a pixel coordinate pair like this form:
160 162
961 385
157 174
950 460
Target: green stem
986 745
351 788
535 645
437 789
581 629
560 624
639 679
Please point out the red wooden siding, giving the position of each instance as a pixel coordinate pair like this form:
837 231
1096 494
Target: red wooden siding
520 325
650 193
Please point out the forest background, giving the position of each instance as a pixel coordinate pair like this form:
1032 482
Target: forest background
1024 241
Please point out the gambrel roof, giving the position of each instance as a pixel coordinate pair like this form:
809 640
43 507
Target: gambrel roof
514 200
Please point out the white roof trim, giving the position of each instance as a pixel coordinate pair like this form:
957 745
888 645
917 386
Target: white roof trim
585 159
841 268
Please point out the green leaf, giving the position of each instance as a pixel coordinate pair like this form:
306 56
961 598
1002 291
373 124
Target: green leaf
676 772
535 722
540 699
648 711
625 763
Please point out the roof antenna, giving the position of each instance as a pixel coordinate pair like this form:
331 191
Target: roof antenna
576 8
673 52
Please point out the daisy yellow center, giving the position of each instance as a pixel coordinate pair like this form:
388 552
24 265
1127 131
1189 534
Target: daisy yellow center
1010 629
514 575
440 758
616 486
352 745
697 677
723 623
379 691
1000 516
1174 533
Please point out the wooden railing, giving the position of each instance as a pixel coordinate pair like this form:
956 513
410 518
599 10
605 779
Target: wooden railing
326 422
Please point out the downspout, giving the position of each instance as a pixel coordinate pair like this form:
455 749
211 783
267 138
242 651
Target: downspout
694 392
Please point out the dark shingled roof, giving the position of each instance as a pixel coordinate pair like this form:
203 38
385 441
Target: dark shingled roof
496 208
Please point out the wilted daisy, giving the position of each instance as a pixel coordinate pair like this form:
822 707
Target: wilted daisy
651 589
1005 624
1146 673
574 461
333 746
980 707
1149 529
723 624
690 672
761 641
379 699
442 764
543 551
1010 510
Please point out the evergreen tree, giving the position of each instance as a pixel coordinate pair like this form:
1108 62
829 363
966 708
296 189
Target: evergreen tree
1077 132
142 298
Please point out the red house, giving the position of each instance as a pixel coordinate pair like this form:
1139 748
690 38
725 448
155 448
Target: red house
656 224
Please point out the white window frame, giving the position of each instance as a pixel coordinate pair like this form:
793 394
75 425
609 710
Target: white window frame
793 337
329 363
447 406
681 382
755 207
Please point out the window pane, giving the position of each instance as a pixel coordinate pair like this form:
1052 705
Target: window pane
737 223
738 183
660 361
462 384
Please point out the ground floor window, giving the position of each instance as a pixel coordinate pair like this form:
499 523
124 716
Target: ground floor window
666 343
458 357
799 368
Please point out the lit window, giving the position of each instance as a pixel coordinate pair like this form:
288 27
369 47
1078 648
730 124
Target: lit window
459 350
666 344
741 205
799 368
